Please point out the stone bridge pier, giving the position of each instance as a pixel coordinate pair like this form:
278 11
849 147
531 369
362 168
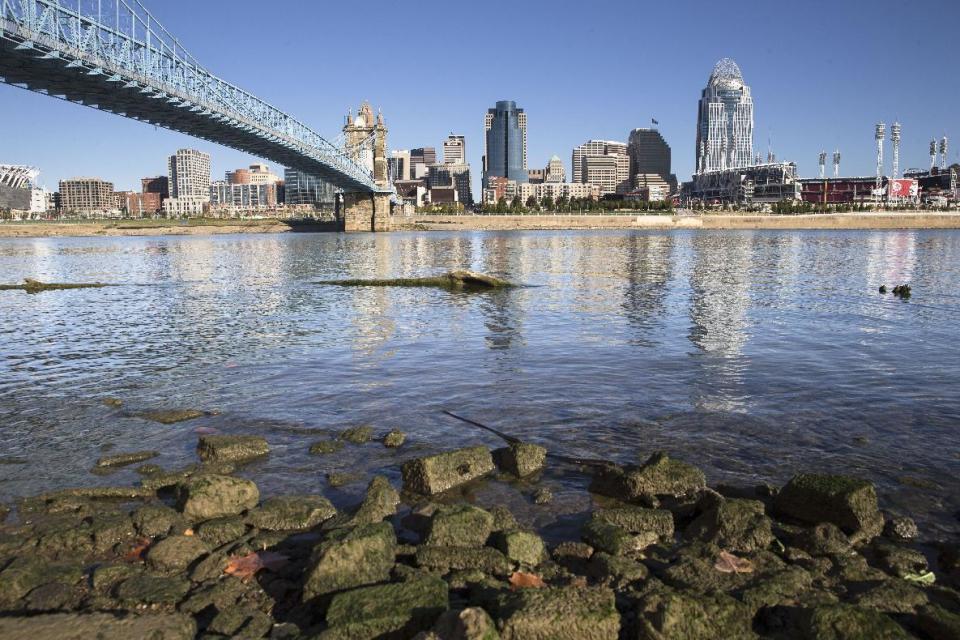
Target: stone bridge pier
366 143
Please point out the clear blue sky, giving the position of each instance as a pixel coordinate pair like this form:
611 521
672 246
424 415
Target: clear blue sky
822 73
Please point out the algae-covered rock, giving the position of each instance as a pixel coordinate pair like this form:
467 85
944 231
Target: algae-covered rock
357 435
503 519
109 530
435 474
215 496
938 623
151 589
102 626
893 596
737 525
26 573
360 557
288 513
472 623
524 547
520 458
379 503
152 520
241 622
171 416
899 561
658 476
569 613
419 601
542 496
780 587
324 447
623 570
901 528
176 553
221 530
124 459
459 526
394 439
847 502
638 520
613 539
445 558
847 622
231 448
824 539
668 615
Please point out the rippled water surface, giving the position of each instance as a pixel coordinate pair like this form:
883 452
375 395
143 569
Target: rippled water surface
751 354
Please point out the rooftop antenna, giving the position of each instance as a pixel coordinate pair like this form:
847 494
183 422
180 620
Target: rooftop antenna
879 133
823 164
895 138
836 163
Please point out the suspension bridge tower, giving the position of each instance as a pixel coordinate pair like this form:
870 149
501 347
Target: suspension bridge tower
365 137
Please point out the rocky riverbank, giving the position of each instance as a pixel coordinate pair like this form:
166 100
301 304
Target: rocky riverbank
198 552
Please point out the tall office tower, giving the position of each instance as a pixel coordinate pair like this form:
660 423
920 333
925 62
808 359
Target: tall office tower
189 174
650 154
725 120
604 163
506 142
399 165
301 188
455 149
555 171
420 161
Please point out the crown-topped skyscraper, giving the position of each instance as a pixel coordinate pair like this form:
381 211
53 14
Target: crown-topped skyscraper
725 120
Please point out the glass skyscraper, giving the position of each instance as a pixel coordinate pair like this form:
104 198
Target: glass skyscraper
506 127
725 120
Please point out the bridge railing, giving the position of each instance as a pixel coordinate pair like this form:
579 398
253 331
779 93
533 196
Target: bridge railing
125 42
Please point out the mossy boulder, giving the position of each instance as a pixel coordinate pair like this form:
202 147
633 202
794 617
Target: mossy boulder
241 622
568 613
419 601
617 568
459 526
349 559
146 589
324 447
231 448
357 435
638 520
102 626
124 459
157 519
669 615
938 623
221 530
394 439
483 559
614 540
435 474
894 596
847 502
379 503
216 496
524 547
26 573
176 553
847 622
472 623
289 513
520 458
660 475
733 524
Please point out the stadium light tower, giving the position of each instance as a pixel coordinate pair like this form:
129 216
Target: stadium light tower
943 153
823 164
836 163
879 133
895 138
933 155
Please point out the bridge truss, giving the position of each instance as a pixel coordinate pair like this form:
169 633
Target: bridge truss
113 55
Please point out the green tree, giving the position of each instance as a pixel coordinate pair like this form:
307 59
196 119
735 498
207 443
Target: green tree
502 205
547 203
516 206
532 203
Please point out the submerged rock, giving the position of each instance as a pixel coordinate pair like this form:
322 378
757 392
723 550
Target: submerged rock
357 435
394 439
324 447
171 416
355 558
288 513
658 476
435 474
32 286
213 496
520 458
459 526
847 502
231 448
568 613
124 459
103 626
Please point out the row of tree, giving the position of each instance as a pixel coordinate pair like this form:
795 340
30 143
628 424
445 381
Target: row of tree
572 205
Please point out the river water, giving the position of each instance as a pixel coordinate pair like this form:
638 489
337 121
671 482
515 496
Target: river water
753 354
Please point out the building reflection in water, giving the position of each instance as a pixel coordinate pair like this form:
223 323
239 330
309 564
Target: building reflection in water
649 268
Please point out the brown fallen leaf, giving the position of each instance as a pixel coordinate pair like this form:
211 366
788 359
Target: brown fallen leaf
245 567
521 580
139 548
729 563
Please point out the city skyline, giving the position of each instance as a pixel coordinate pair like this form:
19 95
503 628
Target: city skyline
801 109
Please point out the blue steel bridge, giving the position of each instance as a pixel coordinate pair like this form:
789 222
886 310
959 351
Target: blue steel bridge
113 55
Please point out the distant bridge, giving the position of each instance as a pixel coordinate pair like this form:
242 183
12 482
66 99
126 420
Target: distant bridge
113 55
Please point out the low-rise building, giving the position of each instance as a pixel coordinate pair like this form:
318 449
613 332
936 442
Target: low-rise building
186 206
558 190
226 197
757 184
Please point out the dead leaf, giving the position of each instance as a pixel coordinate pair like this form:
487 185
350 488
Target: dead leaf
136 553
245 567
188 532
729 563
520 580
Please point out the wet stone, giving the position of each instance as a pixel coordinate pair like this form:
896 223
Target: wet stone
102 626
176 553
26 573
362 556
520 458
893 596
289 513
419 600
210 568
939 623
214 496
613 539
124 459
107 576
847 502
674 616
459 526
824 539
901 528
324 447
241 622
733 524
900 561
151 589
341 479
846 622
502 518
357 435
171 416
394 439
445 558
658 476
435 474
110 529
220 531
617 568
53 597
639 520
472 623
542 496
154 520
568 613
524 547
379 503
231 448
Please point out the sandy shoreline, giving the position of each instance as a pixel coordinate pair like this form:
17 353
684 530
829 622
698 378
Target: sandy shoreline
864 221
